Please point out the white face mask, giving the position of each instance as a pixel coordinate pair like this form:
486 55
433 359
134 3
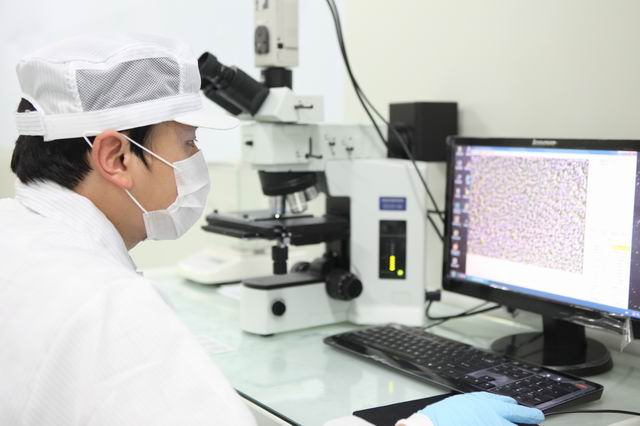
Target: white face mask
192 183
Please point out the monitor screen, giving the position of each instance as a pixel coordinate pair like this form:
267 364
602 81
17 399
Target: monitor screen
561 224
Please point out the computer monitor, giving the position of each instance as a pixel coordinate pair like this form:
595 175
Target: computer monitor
548 226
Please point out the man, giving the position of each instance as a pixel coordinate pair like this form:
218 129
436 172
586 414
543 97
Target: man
107 158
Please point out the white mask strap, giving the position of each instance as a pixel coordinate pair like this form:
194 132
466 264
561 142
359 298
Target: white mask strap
135 201
86 138
93 132
148 151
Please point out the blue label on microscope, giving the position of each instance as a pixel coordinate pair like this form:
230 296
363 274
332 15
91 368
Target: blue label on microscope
393 203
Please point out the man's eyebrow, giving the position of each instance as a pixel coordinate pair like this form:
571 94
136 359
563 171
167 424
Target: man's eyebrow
187 136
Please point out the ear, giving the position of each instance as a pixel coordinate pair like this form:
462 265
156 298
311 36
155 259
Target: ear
112 158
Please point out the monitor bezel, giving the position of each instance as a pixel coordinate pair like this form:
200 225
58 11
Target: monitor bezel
513 299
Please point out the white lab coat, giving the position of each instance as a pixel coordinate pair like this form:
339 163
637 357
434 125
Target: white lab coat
85 340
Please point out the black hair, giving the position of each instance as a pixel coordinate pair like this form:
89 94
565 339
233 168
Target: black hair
63 161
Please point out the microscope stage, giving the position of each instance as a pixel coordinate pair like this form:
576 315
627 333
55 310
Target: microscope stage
300 229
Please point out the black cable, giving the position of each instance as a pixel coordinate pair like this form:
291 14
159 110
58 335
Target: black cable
409 155
343 50
336 14
363 98
439 213
469 312
628 413
401 138
366 104
364 101
336 20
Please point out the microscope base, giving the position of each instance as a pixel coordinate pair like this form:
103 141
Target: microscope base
281 303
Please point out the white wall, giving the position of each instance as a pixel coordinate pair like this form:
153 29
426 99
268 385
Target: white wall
560 68
556 68
222 27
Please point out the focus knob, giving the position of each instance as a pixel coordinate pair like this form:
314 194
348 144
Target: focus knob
343 285
278 308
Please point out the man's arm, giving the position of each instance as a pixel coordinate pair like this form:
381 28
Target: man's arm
126 359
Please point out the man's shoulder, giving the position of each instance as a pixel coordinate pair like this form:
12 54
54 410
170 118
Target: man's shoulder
33 244
20 226
11 212
60 258
11 206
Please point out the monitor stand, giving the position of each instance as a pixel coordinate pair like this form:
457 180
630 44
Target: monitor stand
562 346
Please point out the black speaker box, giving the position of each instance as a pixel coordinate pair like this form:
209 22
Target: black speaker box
425 126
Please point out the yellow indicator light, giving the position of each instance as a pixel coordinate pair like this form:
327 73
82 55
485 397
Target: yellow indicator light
400 273
392 263
623 248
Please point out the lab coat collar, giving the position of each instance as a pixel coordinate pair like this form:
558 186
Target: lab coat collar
56 202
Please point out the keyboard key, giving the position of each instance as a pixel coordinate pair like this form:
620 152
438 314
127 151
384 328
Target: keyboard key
487 386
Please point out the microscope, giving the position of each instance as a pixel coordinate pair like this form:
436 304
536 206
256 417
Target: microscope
374 227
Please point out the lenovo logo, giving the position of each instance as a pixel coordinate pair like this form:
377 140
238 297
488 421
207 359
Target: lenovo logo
544 142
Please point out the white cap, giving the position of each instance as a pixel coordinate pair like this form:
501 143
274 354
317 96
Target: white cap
112 82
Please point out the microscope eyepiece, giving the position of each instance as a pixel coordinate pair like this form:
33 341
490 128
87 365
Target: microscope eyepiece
230 87
210 69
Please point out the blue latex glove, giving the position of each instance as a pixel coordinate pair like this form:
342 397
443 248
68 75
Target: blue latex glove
481 409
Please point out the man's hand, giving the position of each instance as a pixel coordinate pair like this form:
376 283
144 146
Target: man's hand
481 409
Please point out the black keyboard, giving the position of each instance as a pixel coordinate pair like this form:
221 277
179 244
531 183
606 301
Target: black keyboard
464 368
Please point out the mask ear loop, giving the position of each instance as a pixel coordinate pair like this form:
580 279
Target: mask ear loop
136 202
148 151
85 136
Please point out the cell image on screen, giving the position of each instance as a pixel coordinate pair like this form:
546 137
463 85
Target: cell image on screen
529 210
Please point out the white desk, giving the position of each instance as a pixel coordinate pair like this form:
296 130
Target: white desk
307 381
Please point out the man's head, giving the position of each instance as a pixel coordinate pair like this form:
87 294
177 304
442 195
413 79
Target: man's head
108 117
65 162
111 165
